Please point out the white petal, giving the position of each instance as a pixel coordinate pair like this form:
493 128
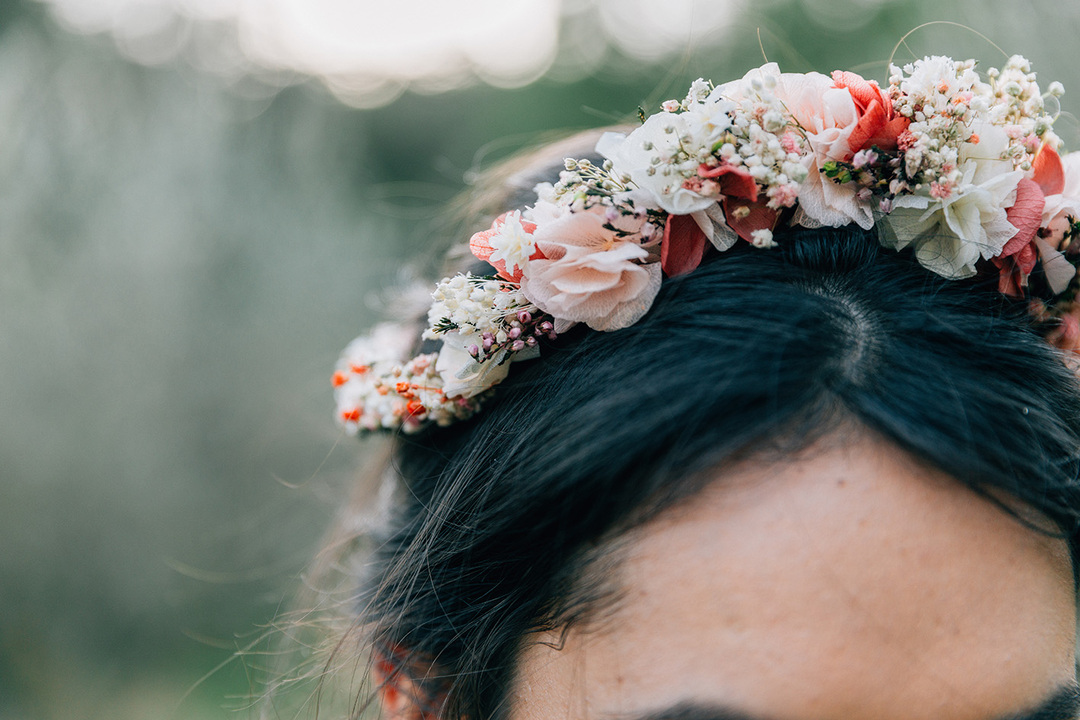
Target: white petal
946 255
1059 271
609 144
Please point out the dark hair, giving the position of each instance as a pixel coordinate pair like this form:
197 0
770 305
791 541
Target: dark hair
756 350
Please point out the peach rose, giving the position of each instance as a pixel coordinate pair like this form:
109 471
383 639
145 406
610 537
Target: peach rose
590 275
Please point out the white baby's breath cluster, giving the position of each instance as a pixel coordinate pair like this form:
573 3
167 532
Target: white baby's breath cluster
1020 108
952 110
762 138
941 97
584 185
469 304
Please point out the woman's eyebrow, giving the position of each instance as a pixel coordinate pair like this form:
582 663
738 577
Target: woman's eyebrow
693 711
1064 704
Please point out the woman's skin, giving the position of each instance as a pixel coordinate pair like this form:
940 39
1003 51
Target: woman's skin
849 583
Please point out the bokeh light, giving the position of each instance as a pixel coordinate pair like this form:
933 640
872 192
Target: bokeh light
203 201
369 52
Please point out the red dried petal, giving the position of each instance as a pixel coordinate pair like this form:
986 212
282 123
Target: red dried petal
733 181
683 247
759 217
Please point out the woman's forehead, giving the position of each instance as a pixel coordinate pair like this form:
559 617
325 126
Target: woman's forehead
853 582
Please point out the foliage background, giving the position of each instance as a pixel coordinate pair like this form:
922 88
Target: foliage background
183 253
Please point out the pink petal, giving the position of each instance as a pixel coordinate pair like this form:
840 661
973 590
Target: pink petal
1017 259
1025 215
586 280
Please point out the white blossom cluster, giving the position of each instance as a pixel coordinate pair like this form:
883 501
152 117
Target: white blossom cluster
955 116
942 97
1020 108
513 244
474 305
680 154
760 138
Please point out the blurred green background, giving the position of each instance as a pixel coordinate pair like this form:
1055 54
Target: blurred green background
200 202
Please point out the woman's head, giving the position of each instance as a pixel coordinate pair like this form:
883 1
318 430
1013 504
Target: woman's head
788 442
847 582
827 414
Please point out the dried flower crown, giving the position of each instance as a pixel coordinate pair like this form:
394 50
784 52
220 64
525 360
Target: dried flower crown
962 169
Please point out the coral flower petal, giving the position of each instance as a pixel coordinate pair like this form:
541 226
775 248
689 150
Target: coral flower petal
1049 172
868 126
864 92
1025 215
480 244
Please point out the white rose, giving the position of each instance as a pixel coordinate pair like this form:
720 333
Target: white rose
634 155
951 234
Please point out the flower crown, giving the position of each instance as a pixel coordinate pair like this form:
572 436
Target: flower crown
962 169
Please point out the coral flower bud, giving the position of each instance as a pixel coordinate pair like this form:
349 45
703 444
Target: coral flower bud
524 316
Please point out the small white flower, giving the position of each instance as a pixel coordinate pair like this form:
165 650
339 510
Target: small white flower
762 239
512 244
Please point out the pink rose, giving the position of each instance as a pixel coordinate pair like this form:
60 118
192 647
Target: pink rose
590 275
